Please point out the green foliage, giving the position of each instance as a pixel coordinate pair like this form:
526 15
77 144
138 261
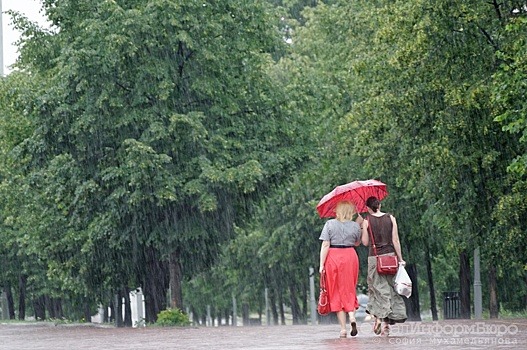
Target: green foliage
135 129
153 127
396 90
172 317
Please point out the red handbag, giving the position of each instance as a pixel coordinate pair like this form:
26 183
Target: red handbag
386 264
323 299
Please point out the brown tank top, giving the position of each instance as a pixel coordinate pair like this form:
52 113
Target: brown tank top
382 233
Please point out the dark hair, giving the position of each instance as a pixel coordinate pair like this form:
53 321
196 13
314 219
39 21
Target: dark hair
373 203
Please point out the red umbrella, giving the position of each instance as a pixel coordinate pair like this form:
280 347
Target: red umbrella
357 192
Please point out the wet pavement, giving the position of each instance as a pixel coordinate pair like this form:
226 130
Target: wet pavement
450 334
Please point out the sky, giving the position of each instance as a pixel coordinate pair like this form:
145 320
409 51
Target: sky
31 9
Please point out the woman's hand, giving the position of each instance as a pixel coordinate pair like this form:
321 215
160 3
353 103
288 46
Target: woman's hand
359 220
324 248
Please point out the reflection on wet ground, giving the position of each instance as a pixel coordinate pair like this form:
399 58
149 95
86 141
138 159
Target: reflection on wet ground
452 334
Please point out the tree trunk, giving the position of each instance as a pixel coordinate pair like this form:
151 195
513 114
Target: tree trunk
261 307
281 306
113 311
305 298
295 308
227 315
245 314
272 302
155 287
493 293
525 294
57 307
49 306
87 310
195 316
118 305
39 306
106 316
413 309
54 307
10 301
22 288
127 307
176 295
431 288
464 281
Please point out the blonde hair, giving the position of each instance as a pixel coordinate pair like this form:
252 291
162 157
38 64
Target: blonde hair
345 210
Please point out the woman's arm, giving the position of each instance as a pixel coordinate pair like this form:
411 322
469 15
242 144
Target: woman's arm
365 238
357 243
359 220
395 240
324 248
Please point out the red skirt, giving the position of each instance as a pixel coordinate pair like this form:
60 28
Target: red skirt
342 273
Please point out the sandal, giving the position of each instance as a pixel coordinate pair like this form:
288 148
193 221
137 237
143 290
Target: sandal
386 331
354 330
377 326
343 334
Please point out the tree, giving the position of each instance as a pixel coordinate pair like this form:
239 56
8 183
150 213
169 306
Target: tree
509 110
19 260
417 81
156 125
431 115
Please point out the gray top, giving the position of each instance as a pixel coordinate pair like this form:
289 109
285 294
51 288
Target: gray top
341 233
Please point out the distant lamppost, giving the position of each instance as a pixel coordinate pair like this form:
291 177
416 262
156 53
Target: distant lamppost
478 307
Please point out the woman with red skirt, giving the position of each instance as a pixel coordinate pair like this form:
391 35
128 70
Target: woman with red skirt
339 259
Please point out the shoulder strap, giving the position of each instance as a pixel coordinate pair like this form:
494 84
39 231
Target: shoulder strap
372 240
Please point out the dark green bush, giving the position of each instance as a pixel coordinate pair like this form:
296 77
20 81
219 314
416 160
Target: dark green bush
172 317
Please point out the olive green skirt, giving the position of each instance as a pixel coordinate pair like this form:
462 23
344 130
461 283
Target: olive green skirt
384 302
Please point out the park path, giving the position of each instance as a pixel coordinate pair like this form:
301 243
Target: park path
450 335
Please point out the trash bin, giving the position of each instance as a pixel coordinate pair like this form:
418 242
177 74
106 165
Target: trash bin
451 305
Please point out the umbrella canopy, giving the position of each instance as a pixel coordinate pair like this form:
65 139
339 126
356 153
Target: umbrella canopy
357 192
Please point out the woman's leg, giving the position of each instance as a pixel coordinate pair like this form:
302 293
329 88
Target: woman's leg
353 323
386 329
377 325
341 316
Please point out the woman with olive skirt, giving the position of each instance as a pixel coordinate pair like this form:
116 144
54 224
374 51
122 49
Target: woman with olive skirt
384 304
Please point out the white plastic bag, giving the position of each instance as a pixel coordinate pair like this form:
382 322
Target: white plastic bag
402 282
